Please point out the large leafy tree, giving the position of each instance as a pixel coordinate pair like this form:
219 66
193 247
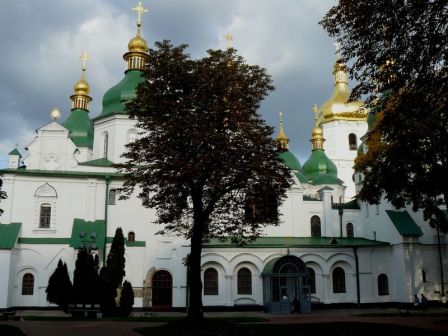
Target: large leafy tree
205 159
398 51
59 289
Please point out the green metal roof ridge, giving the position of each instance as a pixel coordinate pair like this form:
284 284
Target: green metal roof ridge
15 151
44 241
404 223
80 225
8 235
350 205
284 242
57 173
103 162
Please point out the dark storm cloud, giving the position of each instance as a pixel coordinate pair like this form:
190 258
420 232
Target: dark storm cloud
41 41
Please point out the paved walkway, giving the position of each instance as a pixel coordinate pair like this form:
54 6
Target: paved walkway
110 328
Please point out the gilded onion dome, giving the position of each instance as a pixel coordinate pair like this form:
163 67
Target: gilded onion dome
319 169
114 100
338 106
78 122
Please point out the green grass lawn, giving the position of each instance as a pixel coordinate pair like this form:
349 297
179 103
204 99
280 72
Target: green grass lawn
9 330
222 327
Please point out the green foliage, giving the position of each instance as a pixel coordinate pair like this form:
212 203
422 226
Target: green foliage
399 51
126 299
86 282
205 160
2 195
60 289
112 273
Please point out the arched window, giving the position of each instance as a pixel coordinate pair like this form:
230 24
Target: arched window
338 280
315 226
383 285
210 282
352 141
45 215
105 145
424 278
349 229
28 284
132 135
112 196
131 236
244 281
311 279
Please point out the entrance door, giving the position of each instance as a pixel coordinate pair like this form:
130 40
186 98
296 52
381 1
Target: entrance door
162 289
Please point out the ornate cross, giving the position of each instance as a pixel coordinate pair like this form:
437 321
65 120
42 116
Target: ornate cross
229 39
140 10
84 57
315 110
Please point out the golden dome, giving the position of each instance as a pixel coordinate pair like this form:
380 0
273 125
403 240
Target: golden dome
138 44
317 132
82 87
338 107
281 139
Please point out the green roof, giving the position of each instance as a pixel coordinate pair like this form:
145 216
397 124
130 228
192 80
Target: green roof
319 169
284 242
15 151
103 162
8 235
115 98
353 204
80 225
61 173
290 160
404 223
80 128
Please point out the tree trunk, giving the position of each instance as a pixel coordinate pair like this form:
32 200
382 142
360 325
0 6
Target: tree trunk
195 311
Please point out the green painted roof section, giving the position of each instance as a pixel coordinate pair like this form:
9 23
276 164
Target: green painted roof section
44 241
136 243
319 169
80 225
283 242
15 151
404 223
8 235
290 160
114 99
351 205
103 162
80 128
269 267
301 177
64 174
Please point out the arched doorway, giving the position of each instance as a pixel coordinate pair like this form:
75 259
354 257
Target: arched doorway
284 280
162 289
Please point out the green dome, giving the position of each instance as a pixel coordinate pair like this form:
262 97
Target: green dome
114 99
80 127
290 160
319 169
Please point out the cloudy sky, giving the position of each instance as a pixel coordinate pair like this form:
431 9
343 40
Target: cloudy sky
42 40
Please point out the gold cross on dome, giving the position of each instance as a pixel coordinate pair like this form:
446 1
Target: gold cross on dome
84 57
315 110
140 10
229 39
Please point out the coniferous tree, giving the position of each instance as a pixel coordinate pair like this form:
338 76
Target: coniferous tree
86 284
59 289
126 298
205 160
111 275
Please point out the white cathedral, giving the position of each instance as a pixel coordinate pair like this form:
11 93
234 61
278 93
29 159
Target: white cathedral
329 248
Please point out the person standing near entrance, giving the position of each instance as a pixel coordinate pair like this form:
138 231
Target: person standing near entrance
295 305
